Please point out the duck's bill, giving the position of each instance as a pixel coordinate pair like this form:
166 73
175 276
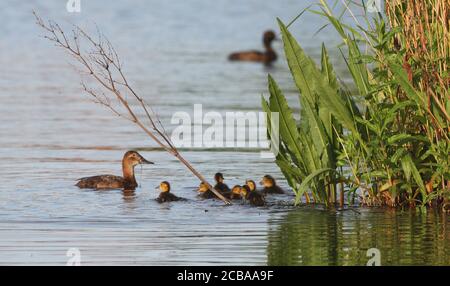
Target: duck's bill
144 161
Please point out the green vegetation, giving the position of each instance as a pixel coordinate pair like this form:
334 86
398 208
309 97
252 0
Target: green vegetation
388 142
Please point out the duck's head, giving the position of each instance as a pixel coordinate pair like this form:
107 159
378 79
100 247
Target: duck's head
219 177
269 36
251 184
164 186
204 187
268 181
133 158
236 190
244 191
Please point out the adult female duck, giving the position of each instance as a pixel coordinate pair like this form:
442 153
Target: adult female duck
128 181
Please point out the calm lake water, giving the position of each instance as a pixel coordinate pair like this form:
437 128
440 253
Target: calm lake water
175 55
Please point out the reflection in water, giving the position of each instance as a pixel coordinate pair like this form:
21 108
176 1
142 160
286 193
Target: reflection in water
310 236
129 196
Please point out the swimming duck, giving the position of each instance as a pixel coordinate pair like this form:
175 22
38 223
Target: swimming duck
220 185
266 57
270 186
255 198
251 184
166 195
204 191
235 193
128 181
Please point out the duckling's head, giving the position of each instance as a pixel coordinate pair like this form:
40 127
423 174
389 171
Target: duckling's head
164 187
218 177
268 181
244 191
133 158
251 185
236 190
204 187
269 36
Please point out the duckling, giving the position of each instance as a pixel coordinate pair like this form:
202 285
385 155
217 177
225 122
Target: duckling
266 57
220 185
166 195
253 197
270 186
251 184
204 191
128 181
235 193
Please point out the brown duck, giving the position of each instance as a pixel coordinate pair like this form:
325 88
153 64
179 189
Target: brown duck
267 57
128 181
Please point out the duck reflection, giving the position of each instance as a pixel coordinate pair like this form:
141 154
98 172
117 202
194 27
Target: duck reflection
128 196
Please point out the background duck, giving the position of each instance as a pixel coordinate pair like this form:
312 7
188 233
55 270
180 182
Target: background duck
270 186
166 195
266 57
128 181
253 197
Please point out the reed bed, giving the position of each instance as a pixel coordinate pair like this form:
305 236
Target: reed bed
388 142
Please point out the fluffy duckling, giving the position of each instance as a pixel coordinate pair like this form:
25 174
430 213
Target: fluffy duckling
128 181
204 191
166 195
251 184
235 193
253 197
220 185
266 57
270 186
